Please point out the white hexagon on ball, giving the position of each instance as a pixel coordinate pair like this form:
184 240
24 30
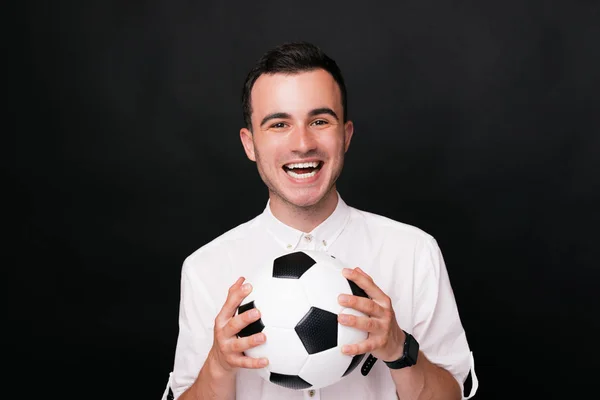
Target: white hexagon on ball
283 348
282 303
323 283
325 368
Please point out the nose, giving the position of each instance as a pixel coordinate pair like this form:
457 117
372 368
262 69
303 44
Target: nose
302 140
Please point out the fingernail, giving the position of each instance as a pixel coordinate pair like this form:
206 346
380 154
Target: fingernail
246 287
342 298
254 313
260 338
345 349
347 271
263 362
343 318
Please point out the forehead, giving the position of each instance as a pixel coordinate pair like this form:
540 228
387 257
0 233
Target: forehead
295 93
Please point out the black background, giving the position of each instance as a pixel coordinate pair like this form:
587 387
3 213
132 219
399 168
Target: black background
475 121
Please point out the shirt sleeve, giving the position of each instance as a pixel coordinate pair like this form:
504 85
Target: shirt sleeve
197 311
437 325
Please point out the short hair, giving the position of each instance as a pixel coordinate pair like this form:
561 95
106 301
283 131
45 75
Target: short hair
292 58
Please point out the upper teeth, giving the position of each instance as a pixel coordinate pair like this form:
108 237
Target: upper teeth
312 164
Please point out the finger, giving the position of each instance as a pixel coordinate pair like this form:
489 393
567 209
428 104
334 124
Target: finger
239 345
235 348
239 322
362 304
236 294
365 282
249 362
363 323
363 347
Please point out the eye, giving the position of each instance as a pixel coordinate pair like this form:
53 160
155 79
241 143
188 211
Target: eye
278 125
320 122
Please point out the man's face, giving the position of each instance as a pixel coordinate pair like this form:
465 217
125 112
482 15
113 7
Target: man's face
298 137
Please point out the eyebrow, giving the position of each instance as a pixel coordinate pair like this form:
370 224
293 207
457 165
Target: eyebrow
312 113
323 110
274 116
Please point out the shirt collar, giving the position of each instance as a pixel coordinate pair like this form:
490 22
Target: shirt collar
321 236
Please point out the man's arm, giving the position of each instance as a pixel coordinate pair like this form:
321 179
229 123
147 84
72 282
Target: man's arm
216 379
213 382
425 381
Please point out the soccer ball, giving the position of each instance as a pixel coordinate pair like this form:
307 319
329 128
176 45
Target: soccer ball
296 294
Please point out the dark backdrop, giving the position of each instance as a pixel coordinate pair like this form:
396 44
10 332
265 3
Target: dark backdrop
475 122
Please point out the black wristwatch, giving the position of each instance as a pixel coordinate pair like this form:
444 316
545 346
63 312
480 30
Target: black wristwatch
409 356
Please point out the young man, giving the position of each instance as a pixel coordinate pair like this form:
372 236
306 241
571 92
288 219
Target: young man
297 132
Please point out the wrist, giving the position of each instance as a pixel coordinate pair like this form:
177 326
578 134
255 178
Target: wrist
397 348
215 381
218 367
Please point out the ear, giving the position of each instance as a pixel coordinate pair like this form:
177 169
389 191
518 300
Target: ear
348 131
248 143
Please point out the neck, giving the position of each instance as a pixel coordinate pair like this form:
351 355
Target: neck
307 218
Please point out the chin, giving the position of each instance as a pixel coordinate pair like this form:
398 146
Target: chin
304 200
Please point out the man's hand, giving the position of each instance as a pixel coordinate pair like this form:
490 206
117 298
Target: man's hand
227 347
386 339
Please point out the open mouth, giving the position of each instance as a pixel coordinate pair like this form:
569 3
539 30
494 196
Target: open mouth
303 170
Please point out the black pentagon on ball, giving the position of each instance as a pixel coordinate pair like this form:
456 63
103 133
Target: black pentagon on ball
355 361
318 330
289 381
356 290
292 265
255 327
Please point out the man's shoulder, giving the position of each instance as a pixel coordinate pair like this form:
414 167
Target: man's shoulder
388 225
225 242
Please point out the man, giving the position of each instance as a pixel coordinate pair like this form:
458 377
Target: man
297 131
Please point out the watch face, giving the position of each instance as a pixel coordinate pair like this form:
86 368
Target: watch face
413 350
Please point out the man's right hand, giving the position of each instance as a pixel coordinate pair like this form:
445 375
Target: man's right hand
227 347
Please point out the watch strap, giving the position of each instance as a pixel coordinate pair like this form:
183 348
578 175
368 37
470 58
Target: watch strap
368 364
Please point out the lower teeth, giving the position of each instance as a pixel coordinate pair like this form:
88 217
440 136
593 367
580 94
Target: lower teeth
301 176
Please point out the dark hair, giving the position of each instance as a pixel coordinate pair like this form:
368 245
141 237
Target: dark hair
291 58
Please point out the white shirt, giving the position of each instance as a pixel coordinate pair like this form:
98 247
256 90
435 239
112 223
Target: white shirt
404 261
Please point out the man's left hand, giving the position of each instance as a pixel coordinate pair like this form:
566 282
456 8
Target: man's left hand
385 340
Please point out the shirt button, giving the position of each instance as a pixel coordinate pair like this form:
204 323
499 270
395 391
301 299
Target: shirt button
289 246
308 238
324 243
311 392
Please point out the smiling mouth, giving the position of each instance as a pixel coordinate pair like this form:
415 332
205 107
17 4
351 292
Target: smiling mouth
303 170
